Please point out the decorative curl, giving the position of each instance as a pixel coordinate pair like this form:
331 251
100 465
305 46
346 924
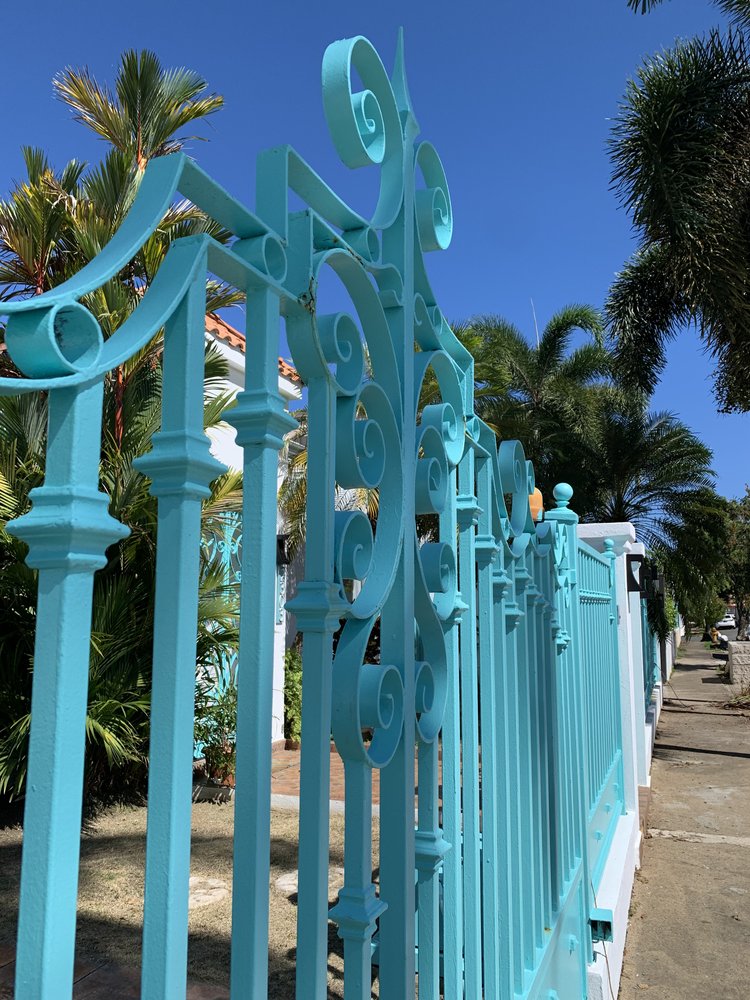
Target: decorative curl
368 455
431 479
365 696
433 202
342 348
431 667
517 478
439 568
364 124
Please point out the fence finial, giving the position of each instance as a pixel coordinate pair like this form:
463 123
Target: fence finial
562 493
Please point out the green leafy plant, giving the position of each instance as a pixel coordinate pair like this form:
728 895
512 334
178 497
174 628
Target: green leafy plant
216 726
51 225
293 694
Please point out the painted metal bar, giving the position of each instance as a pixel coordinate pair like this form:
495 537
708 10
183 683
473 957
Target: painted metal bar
515 750
180 468
569 605
316 608
486 550
453 936
397 844
429 849
468 513
67 530
508 931
524 652
358 908
261 422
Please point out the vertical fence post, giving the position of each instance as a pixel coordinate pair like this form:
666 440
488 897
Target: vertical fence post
453 938
468 515
578 723
181 468
68 530
261 423
492 916
397 844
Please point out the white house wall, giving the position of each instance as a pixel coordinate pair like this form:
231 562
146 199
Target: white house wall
224 447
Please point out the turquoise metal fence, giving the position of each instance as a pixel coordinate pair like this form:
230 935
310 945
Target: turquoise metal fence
601 681
497 666
650 655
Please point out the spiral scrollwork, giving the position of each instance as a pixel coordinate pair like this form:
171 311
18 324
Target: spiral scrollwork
364 124
433 202
368 704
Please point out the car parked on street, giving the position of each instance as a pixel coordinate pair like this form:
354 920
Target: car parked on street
727 621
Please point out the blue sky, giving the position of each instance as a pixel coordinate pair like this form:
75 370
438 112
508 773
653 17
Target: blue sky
517 98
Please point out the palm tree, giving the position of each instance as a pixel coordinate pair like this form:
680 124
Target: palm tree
680 150
650 469
120 666
50 226
539 393
149 107
736 9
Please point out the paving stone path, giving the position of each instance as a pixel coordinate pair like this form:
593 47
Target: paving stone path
690 915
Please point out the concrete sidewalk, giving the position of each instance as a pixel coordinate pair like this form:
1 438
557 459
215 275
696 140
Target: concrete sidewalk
690 914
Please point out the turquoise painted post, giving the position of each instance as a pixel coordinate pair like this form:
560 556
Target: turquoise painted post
261 422
468 515
514 755
180 468
67 531
577 719
453 934
486 547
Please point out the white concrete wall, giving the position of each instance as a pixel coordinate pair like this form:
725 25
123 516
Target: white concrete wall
629 647
616 884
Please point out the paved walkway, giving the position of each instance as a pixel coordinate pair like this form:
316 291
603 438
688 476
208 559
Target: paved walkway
285 776
690 915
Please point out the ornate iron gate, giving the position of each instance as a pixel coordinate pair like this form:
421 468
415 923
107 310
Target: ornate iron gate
480 627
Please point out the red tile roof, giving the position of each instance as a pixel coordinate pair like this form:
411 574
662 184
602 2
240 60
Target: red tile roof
220 329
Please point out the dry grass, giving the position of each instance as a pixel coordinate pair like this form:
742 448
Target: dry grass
110 904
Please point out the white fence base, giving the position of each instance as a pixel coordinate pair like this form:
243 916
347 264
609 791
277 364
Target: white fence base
614 894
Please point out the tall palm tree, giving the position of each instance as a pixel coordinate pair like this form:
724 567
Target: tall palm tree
650 469
36 226
680 150
535 393
50 226
539 392
149 106
120 666
736 9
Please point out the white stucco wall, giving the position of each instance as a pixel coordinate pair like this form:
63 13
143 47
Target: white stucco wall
616 885
224 447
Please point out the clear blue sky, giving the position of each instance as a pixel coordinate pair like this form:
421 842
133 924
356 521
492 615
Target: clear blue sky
516 97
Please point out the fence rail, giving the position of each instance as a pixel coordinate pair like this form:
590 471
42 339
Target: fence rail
497 657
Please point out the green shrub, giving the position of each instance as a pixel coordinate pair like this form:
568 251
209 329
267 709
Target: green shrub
216 727
293 693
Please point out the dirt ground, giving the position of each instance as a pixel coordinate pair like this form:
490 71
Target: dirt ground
110 903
